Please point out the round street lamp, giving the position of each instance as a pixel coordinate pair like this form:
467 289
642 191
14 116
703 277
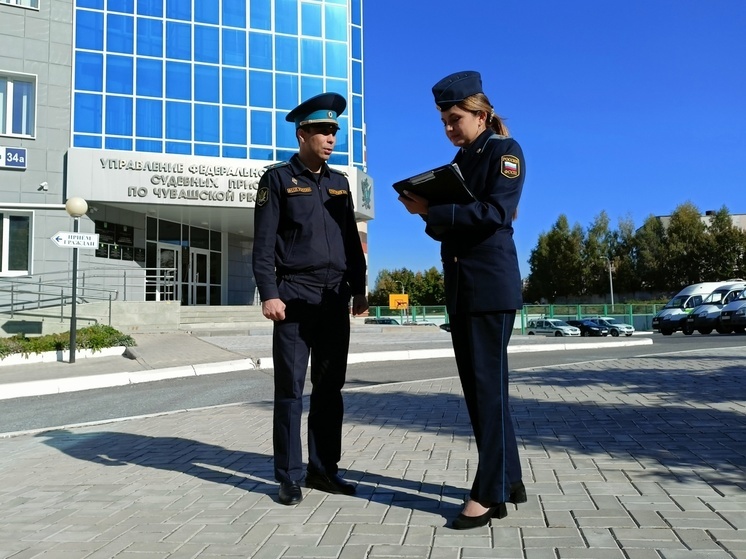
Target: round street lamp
75 207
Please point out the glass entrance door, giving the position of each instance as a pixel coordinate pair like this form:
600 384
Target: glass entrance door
199 277
166 278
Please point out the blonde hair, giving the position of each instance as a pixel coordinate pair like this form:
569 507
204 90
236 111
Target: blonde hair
478 103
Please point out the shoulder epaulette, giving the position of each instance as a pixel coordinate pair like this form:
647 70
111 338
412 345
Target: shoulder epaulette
338 171
498 137
276 165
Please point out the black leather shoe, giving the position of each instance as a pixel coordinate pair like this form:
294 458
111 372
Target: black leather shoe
329 484
517 493
290 493
463 522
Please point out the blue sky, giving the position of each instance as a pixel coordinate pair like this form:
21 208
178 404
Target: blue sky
630 107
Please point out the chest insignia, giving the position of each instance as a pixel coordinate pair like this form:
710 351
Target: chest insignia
510 166
335 192
298 190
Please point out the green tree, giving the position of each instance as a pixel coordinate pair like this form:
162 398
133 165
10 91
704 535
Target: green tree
556 263
622 250
687 245
649 255
725 246
423 288
596 250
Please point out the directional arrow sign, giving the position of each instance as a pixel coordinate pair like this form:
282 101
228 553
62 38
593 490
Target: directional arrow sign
69 239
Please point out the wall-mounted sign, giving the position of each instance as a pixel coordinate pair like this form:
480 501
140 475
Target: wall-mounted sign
12 158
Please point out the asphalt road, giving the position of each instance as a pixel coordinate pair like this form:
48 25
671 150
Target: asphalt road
254 387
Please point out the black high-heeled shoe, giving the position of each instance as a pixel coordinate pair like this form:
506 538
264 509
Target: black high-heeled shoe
463 522
517 493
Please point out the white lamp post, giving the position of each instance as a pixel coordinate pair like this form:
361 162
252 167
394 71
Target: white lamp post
76 207
611 282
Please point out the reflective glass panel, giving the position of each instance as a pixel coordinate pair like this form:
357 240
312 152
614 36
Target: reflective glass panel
206 44
234 47
207 12
88 109
286 16
261 13
120 33
285 132
260 50
336 22
234 86
261 127
286 87
206 83
206 123
336 60
178 40
89 71
149 118
178 80
311 19
178 120
234 13
150 7
149 77
234 125
287 53
119 74
260 94
180 9
149 37
23 108
119 115
311 56
89 31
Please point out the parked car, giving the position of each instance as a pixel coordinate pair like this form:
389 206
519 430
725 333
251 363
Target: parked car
551 327
673 315
616 327
381 320
589 328
733 315
706 317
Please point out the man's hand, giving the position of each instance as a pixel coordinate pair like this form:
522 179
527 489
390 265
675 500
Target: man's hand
273 309
414 204
359 304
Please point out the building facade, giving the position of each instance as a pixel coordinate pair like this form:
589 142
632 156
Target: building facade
162 115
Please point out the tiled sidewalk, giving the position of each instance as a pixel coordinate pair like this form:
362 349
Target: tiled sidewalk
630 459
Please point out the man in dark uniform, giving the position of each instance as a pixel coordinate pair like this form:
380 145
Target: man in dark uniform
308 262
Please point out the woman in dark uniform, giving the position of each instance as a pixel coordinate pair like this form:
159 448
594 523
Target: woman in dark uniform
482 283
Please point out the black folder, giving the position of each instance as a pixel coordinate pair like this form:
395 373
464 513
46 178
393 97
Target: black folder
442 185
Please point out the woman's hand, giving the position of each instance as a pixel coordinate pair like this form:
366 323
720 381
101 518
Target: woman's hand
414 204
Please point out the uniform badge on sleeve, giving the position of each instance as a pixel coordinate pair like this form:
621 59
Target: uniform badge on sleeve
510 166
262 196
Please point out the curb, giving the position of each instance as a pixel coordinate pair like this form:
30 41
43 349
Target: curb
60 356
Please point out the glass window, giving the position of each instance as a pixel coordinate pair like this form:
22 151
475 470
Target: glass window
89 30
210 150
235 152
178 80
357 77
206 123
206 83
180 9
260 50
124 6
149 77
149 37
3 104
23 108
336 22
261 14
88 111
234 13
119 74
15 243
310 87
178 40
234 47
119 115
287 53
95 4
261 154
120 33
357 111
206 44
357 12
286 16
234 125
343 142
152 146
234 86
286 87
179 147
149 119
311 19
357 43
311 57
285 132
83 141
207 12
261 127
178 120
260 94
89 71
118 143
336 60
149 7
357 155
340 86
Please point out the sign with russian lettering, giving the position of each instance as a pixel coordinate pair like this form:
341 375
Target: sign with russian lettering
68 239
12 158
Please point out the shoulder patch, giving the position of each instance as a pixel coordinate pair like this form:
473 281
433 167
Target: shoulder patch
510 166
262 196
338 172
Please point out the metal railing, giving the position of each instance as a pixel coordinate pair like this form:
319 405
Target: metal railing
49 290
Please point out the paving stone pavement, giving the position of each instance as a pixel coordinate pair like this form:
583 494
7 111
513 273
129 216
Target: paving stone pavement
639 458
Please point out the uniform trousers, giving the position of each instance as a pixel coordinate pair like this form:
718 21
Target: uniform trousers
316 323
480 344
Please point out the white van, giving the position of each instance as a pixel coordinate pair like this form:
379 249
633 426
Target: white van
669 318
733 315
706 317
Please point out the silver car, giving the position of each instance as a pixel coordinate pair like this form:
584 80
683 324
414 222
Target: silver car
551 327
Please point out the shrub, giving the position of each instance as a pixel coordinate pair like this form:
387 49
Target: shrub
94 337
